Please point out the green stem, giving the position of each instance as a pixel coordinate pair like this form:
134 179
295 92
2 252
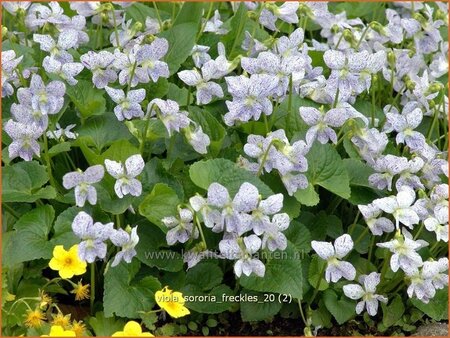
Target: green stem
92 288
157 15
352 227
316 289
264 158
199 226
365 231
11 211
116 33
211 5
419 231
363 35
372 110
301 313
266 123
131 76
144 136
49 164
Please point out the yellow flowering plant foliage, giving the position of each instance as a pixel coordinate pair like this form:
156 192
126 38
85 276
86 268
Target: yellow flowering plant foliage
58 331
132 329
67 263
172 302
214 167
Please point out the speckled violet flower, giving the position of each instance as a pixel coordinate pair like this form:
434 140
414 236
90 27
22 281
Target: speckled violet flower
100 65
250 97
24 140
273 238
83 183
125 175
369 298
128 106
66 71
214 25
404 124
400 207
148 58
93 236
287 12
169 113
377 225
127 241
197 139
243 250
206 90
9 66
336 268
439 225
181 228
67 39
48 99
404 255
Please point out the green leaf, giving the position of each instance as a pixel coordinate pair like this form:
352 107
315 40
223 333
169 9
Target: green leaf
101 131
316 272
299 236
151 239
227 173
437 308
342 309
87 99
210 126
160 203
21 183
308 196
30 239
233 39
204 275
123 295
262 308
59 148
191 12
326 168
181 40
105 327
139 12
283 274
213 301
289 119
63 233
393 311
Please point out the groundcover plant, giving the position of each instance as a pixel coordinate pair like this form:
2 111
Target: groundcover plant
219 168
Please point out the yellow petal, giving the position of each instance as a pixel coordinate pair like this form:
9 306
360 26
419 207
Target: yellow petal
119 334
177 311
132 328
65 273
55 264
59 252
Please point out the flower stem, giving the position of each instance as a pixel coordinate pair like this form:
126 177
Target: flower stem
264 158
116 33
199 226
363 35
92 288
316 289
211 4
157 15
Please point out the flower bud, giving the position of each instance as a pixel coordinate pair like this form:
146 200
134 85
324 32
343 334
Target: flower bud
391 58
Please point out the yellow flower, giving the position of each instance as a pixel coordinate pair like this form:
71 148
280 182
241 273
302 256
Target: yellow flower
44 299
78 328
81 291
58 331
172 302
34 318
61 320
67 262
132 329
